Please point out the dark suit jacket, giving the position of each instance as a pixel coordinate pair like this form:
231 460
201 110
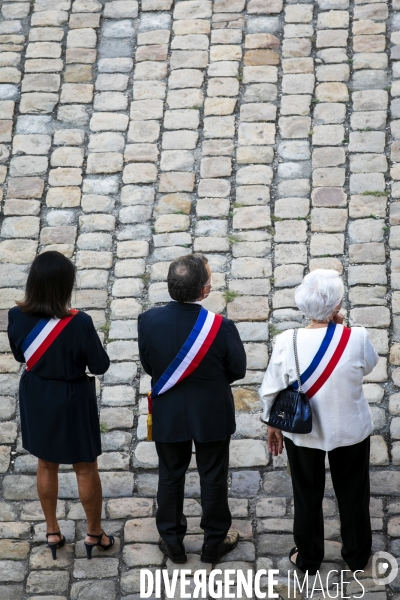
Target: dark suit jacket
201 406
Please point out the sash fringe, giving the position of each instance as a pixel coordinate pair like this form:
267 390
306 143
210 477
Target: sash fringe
149 428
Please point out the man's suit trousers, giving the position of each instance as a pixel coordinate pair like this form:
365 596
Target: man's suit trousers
350 478
212 463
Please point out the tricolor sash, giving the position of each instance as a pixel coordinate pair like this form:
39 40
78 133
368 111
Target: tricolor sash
41 337
324 362
188 358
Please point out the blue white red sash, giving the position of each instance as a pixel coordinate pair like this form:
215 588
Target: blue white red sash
187 360
41 337
192 353
324 362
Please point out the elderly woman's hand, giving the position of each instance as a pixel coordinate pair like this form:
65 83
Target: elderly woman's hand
275 441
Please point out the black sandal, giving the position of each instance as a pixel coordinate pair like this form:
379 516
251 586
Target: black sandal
89 547
54 545
293 551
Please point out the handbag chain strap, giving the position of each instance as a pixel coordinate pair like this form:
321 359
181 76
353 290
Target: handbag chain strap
296 358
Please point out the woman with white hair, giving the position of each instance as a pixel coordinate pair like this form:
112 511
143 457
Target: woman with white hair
332 362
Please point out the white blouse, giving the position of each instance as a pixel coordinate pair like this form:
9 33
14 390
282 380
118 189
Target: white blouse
340 412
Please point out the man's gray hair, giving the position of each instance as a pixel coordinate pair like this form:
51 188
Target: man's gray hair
320 292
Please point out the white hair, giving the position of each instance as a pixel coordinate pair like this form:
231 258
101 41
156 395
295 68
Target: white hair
320 292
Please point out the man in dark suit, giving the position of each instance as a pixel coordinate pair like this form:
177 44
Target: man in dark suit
198 409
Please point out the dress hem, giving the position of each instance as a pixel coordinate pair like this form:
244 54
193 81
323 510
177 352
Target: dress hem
61 462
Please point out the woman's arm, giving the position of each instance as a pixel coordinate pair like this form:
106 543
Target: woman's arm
371 357
96 357
18 354
276 377
275 380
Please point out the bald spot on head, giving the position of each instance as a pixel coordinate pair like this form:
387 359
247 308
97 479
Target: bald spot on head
181 270
187 277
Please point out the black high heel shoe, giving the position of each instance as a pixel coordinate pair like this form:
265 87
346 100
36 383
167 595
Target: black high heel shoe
54 545
89 547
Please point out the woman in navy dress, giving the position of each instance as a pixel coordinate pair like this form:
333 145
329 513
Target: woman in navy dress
58 406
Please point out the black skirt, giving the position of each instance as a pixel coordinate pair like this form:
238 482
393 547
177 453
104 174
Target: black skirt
59 419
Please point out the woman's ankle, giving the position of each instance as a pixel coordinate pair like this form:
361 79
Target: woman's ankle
94 532
52 527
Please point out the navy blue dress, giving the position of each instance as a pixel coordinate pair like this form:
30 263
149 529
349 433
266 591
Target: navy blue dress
58 406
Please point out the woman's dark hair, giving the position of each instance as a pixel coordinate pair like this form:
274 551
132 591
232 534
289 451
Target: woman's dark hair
187 275
49 286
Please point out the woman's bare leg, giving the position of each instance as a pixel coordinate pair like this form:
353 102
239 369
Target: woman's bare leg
47 486
90 494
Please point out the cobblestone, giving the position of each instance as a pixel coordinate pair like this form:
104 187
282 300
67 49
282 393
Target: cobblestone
256 132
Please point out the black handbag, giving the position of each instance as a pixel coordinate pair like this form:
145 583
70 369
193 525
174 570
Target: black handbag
291 410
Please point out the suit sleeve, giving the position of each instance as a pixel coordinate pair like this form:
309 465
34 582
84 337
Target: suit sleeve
235 358
142 347
18 354
96 357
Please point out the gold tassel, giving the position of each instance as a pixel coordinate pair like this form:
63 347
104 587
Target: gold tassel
149 428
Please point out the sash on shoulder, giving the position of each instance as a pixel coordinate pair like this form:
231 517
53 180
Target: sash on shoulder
324 362
187 360
41 338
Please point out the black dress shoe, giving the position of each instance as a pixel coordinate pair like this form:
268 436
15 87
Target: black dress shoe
212 554
312 571
176 552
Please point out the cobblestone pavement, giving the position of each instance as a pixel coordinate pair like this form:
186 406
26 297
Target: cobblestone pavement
264 135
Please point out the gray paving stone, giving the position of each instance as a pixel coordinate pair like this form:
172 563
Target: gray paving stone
110 48
328 112
150 22
47 581
34 124
372 233
116 440
103 590
245 484
262 24
97 567
134 201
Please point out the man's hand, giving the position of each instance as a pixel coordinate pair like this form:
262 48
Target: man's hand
275 441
